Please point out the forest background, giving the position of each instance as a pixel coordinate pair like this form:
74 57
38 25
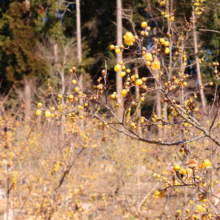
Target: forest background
55 168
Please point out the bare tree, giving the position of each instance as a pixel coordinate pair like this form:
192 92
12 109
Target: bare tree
79 48
119 82
27 87
27 97
197 64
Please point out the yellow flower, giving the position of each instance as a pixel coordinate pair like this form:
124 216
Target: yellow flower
112 96
38 112
124 92
117 68
185 124
80 107
47 114
162 40
148 57
156 193
14 177
144 24
70 96
156 65
128 42
128 35
128 38
122 74
39 105
56 166
183 171
199 207
138 82
60 96
207 163
176 167
77 89
117 50
161 195
201 165
166 50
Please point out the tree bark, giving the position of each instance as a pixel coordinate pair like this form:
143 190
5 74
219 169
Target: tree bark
158 111
137 91
79 51
27 97
170 9
119 81
78 20
28 2
202 95
158 102
27 87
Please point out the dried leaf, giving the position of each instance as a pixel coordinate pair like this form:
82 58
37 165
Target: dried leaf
193 163
189 172
173 179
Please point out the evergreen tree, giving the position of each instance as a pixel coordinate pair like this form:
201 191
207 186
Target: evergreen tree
20 31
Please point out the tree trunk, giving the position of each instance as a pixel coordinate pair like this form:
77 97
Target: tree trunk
27 97
62 72
79 51
158 102
119 81
170 9
198 65
137 91
158 111
78 20
27 2
27 87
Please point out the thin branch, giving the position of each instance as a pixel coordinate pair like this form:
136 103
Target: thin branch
209 30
